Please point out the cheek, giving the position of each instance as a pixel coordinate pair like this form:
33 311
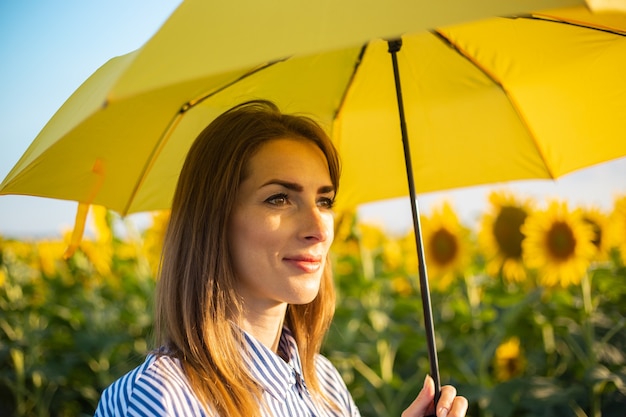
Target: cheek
330 226
238 240
250 233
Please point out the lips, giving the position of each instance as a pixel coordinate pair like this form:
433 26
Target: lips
306 263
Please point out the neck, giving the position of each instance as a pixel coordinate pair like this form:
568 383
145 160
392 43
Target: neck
266 325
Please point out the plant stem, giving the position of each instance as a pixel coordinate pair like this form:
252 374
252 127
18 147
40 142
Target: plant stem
594 397
588 325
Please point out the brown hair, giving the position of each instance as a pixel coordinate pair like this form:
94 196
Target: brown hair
196 295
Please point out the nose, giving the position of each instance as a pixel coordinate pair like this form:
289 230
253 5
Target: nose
316 225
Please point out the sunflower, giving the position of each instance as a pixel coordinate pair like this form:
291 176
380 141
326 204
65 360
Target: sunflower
618 223
400 262
371 236
599 223
50 253
500 237
446 246
409 252
393 255
401 285
509 361
154 237
559 243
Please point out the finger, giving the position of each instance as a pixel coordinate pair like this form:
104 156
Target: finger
424 400
459 407
444 405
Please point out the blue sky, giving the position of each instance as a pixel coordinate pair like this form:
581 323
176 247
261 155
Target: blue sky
49 48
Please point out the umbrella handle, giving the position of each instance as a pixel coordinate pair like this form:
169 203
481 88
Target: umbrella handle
394 47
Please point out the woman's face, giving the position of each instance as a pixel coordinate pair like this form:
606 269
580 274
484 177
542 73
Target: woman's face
282 224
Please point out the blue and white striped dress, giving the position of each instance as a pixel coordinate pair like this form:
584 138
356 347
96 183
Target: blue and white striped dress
159 387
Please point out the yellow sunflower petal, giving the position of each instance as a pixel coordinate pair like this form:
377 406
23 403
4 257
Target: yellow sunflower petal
509 361
500 236
559 244
617 231
599 223
446 246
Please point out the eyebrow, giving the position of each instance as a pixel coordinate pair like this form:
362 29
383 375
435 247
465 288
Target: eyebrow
297 187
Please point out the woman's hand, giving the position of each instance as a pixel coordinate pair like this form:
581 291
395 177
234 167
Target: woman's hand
449 405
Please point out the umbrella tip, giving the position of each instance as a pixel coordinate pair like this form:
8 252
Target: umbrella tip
79 229
394 45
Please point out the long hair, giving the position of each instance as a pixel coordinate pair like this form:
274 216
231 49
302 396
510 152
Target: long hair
196 297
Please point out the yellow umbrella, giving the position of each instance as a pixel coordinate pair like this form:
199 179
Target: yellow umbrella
496 100
534 96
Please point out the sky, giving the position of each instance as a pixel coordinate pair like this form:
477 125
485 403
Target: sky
49 48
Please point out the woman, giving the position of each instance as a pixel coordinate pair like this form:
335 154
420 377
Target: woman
245 294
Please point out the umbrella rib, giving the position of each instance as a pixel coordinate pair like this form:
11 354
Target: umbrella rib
163 139
439 35
554 19
497 82
357 64
194 102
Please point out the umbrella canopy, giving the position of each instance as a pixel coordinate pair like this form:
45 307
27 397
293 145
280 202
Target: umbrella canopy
490 101
215 38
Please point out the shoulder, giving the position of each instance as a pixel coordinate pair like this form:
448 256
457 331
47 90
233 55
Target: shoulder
155 388
326 371
333 384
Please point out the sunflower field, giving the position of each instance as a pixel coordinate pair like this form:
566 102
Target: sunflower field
529 309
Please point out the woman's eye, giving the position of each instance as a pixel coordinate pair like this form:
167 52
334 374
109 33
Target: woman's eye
278 199
326 202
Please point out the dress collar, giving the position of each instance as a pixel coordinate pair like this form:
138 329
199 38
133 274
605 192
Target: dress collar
274 374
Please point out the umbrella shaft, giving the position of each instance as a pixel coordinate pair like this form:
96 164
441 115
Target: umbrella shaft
394 47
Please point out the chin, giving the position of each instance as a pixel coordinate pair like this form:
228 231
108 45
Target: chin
304 295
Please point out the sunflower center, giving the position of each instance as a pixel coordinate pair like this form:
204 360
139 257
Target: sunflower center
560 240
444 246
506 230
512 367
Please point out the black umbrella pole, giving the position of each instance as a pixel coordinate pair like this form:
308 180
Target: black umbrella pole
394 47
